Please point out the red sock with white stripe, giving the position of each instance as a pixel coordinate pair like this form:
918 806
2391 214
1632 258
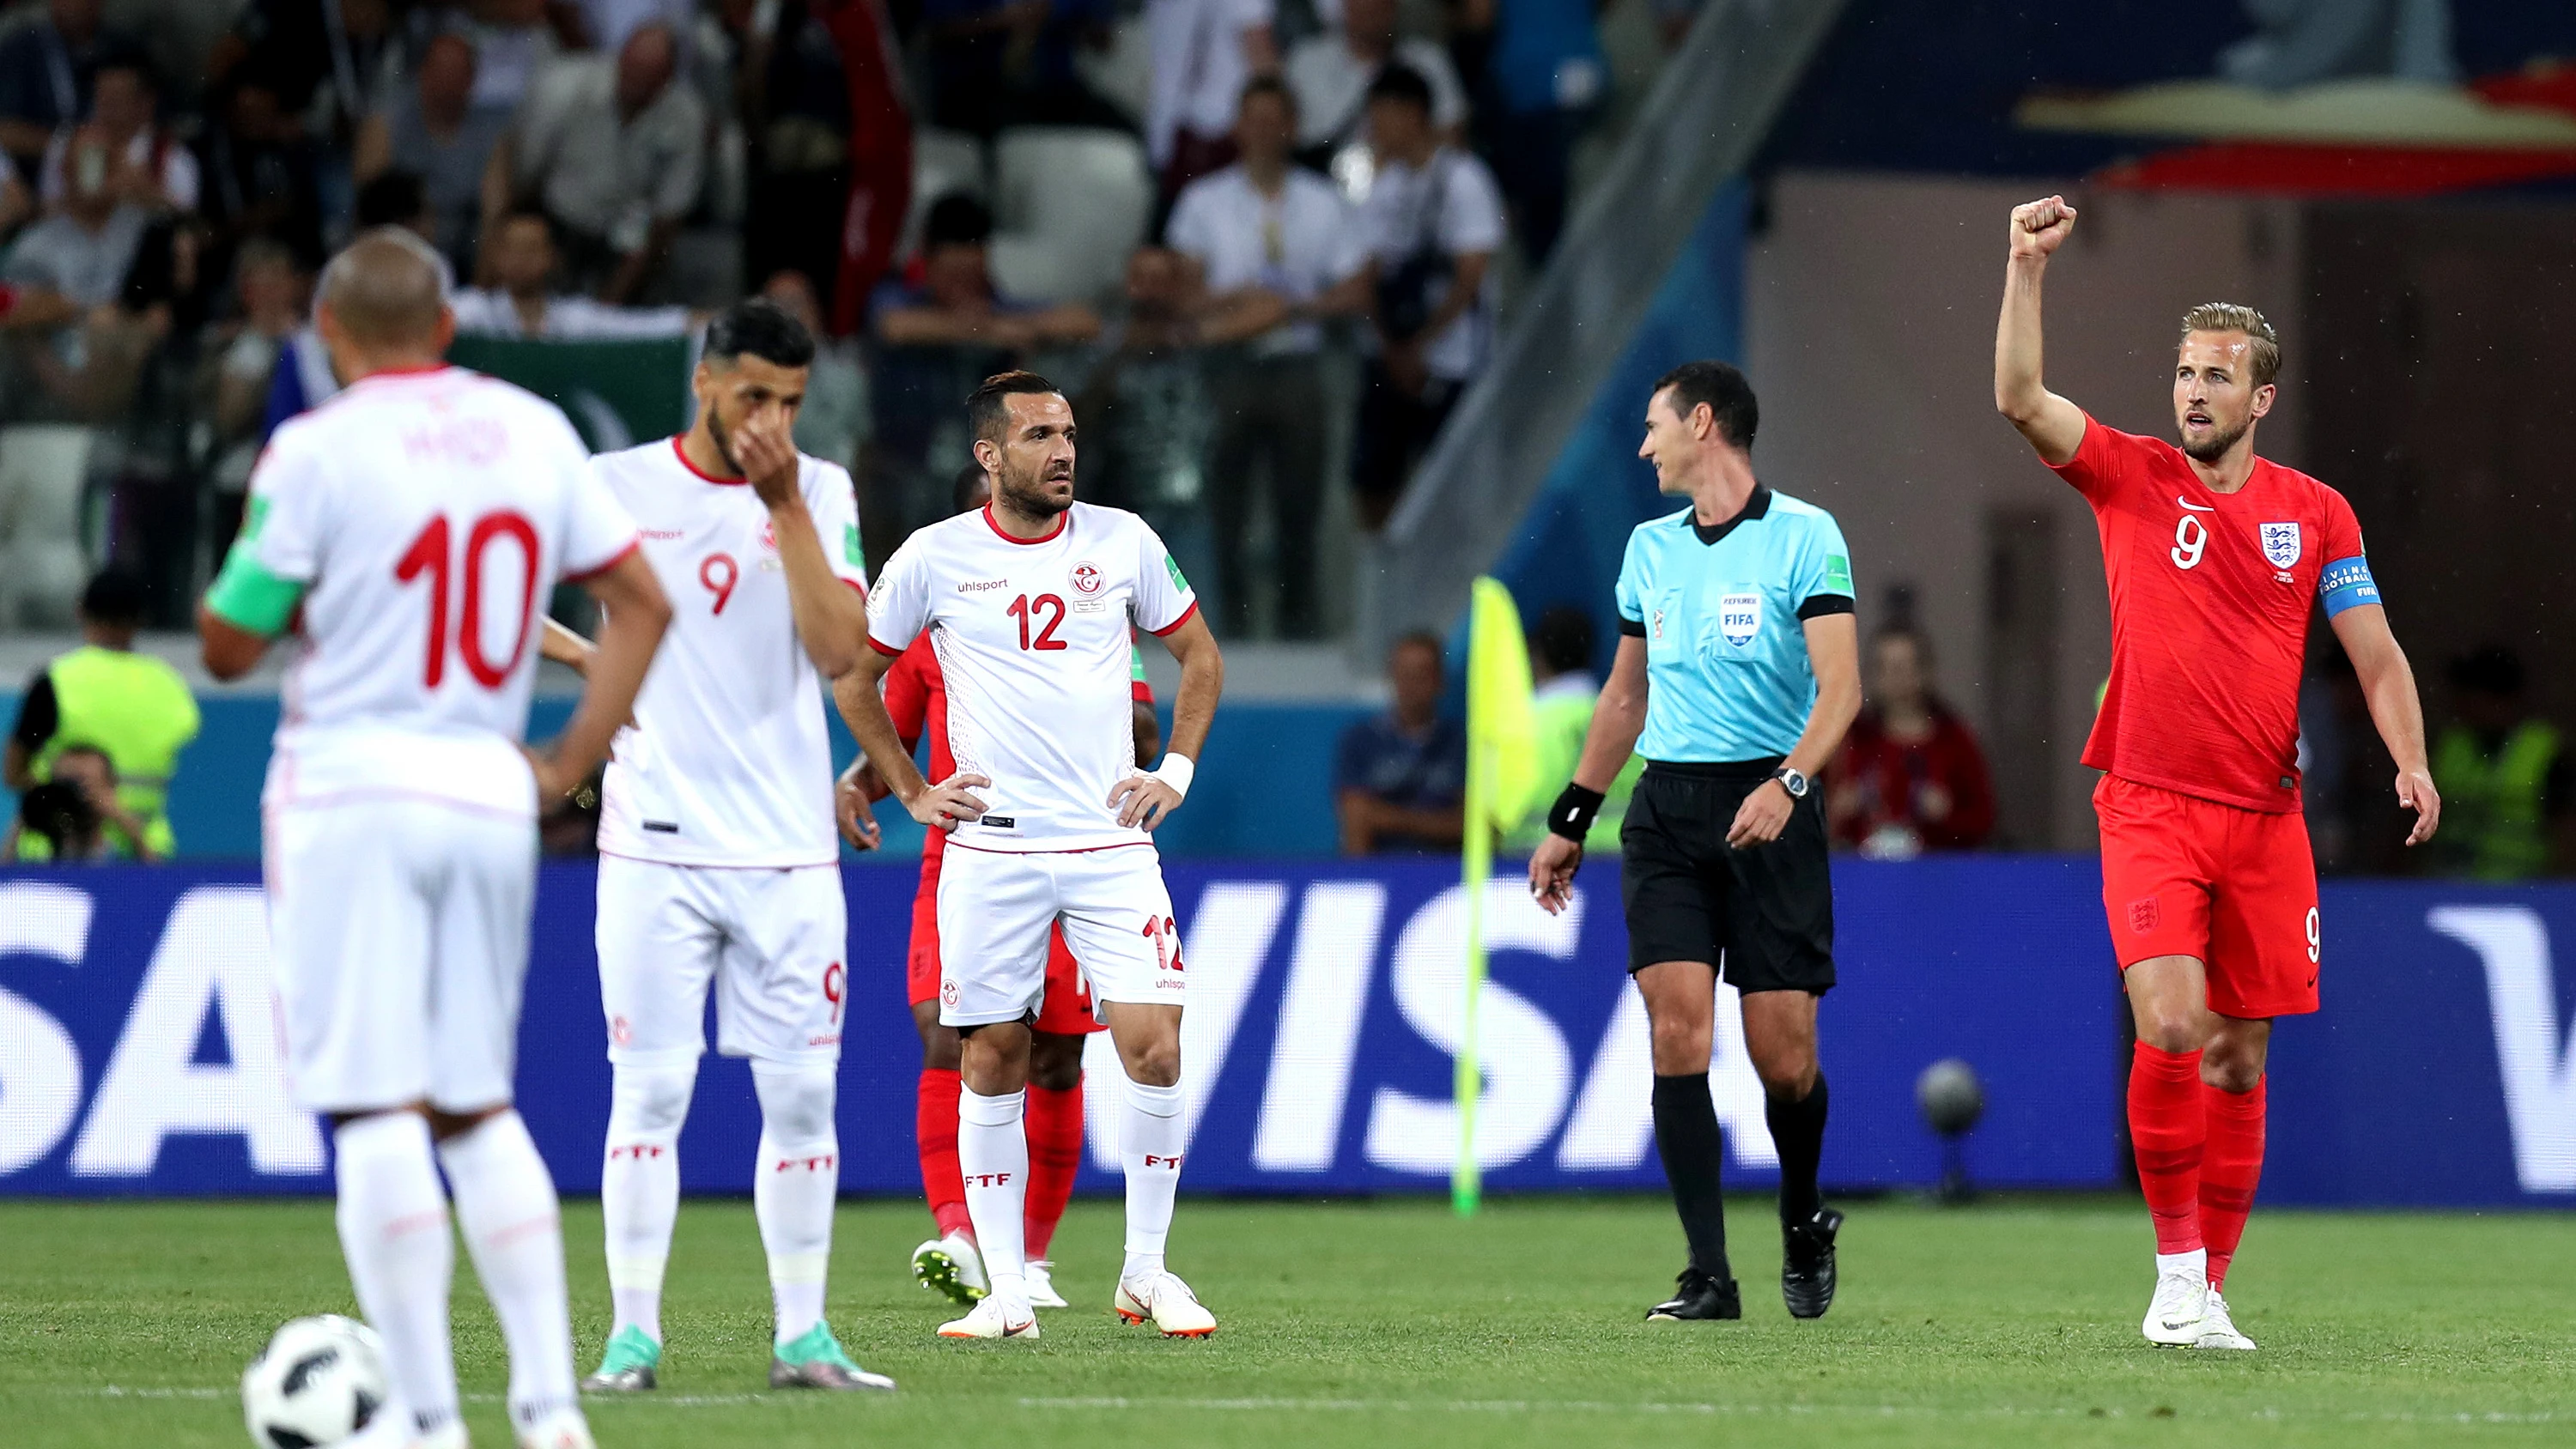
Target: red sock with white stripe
1055 1154
2168 1129
2229 1170
934 1128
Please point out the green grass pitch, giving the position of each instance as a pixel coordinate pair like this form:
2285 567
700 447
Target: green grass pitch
124 1326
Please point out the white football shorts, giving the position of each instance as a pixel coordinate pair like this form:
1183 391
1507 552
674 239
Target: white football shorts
995 909
774 941
400 934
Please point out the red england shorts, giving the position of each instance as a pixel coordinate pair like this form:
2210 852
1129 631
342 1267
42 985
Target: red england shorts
1066 1011
2235 889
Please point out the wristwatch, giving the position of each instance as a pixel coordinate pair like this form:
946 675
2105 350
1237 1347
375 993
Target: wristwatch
1791 781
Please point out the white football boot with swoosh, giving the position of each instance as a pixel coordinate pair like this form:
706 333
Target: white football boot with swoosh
1162 1299
2181 1304
2218 1329
993 1318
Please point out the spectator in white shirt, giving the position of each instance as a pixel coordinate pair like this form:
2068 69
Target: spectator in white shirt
522 257
615 151
1331 71
1433 218
1203 51
1265 225
139 162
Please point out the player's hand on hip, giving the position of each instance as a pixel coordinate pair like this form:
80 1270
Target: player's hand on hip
949 803
553 781
850 808
2415 791
1143 800
767 453
2041 227
1764 814
1551 872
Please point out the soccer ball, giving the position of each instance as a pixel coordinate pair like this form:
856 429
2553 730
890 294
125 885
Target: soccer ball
1950 1096
318 1382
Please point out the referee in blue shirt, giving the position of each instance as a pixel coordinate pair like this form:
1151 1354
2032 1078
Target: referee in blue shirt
1739 660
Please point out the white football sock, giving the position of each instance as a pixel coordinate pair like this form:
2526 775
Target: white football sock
393 1230
1150 1145
639 1187
794 1186
993 1153
514 1230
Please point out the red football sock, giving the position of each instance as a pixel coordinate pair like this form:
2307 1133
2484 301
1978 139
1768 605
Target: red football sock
935 1128
2169 1130
2229 1170
1054 1122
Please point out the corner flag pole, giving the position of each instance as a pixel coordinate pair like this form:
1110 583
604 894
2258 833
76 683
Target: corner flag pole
1502 736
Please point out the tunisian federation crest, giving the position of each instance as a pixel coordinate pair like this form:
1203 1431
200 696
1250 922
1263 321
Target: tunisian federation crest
2281 544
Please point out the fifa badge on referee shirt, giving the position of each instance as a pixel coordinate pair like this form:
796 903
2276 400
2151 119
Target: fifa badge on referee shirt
1739 618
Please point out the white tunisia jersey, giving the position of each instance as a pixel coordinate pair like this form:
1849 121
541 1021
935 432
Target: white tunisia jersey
1034 644
727 762
428 514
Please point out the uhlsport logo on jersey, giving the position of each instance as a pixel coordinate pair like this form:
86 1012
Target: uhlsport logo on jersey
1739 618
1087 578
2281 544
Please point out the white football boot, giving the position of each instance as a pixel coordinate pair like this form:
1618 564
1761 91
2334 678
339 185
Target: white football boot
1162 1299
951 1268
562 1429
2181 1305
993 1318
1041 1280
2218 1329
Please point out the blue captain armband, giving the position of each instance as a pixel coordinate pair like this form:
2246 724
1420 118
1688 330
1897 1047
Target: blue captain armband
2345 584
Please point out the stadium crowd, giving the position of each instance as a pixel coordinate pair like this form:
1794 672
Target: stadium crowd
1202 210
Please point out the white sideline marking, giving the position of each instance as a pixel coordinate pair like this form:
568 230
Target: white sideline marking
1497 1406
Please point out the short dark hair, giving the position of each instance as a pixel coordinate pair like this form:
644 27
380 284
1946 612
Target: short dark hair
1401 82
956 219
2492 670
1564 639
1728 395
1268 84
116 597
58 812
986 412
969 481
761 328
1419 639
395 198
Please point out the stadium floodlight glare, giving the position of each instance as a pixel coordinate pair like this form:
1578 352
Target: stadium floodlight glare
1952 1100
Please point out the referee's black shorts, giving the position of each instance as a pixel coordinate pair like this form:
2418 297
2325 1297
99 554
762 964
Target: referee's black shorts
1764 915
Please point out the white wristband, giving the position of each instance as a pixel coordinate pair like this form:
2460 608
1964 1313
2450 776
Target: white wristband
1177 771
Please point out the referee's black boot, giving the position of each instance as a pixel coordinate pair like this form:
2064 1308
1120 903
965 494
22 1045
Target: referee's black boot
1700 1295
1807 1263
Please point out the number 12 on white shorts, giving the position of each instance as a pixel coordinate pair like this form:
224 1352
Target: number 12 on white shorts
996 907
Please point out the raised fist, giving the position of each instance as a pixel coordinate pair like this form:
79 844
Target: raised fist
2040 227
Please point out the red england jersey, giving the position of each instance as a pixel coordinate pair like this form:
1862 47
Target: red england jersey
916 696
2210 599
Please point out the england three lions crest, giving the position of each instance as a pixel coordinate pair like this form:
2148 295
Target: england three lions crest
2281 544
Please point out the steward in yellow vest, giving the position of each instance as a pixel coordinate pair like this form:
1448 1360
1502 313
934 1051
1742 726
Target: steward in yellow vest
133 708
2504 777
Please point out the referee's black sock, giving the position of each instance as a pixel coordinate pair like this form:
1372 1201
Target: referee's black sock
1798 1131
1687 1136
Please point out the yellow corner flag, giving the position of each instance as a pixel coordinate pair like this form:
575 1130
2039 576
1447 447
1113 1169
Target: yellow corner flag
1502 784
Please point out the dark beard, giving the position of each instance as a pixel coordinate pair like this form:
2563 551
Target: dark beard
1026 499
724 445
2216 446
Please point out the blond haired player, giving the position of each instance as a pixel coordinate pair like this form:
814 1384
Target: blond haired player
405 534
1030 602
718 862
2217 560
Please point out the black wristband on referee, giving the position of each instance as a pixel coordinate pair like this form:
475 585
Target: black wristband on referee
1573 813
